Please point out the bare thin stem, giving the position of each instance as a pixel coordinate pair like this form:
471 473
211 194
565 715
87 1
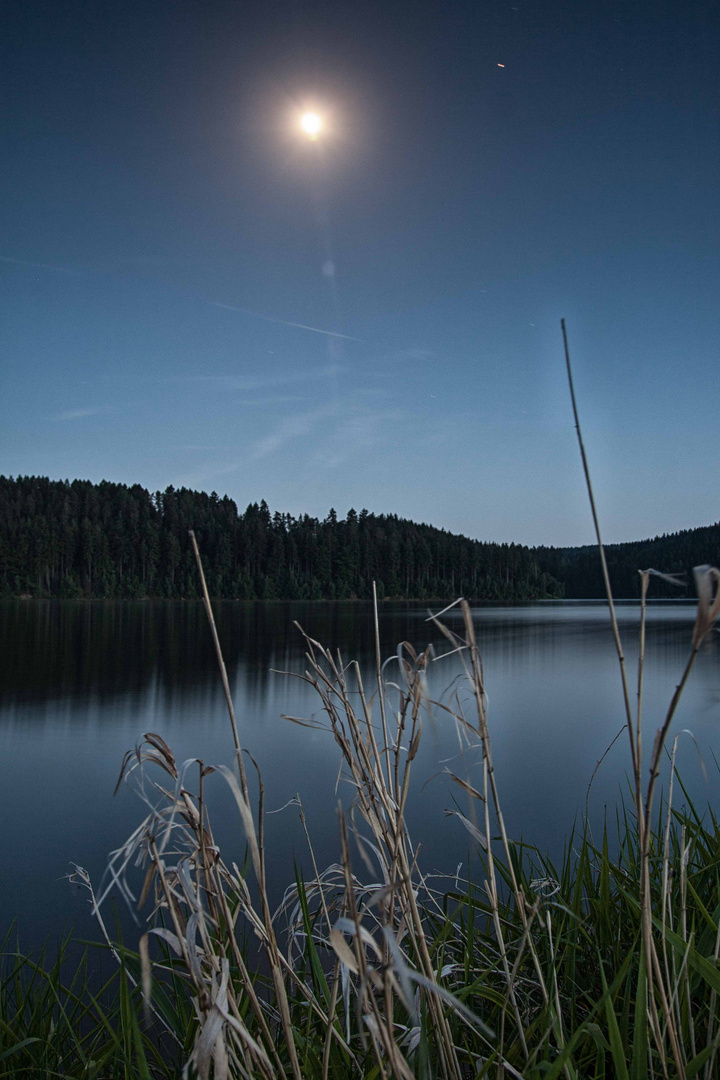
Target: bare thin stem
381 693
221 663
601 549
662 733
653 965
645 581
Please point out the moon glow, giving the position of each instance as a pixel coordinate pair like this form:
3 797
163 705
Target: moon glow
311 125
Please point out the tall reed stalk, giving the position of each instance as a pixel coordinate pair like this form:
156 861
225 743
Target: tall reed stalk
707 580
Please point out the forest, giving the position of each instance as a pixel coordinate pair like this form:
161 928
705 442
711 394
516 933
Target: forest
580 572
77 539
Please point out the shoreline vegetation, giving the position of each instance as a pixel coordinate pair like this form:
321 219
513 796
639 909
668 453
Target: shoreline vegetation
606 966
79 540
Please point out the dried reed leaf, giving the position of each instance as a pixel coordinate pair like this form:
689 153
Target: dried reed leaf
221 1069
347 926
150 874
707 583
343 951
415 744
455 1004
402 972
145 972
672 579
246 818
303 722
211 1028
433 617
193 952
472 829
465 785
167 935
251 1043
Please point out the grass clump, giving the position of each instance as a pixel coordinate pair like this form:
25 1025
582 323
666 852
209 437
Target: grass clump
56 1021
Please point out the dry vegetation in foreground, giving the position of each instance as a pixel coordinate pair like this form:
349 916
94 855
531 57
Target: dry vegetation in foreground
603 967
606 966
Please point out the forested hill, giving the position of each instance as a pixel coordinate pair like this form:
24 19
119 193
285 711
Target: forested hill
578 569
107 540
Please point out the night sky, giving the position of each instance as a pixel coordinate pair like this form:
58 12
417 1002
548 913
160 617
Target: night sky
194 293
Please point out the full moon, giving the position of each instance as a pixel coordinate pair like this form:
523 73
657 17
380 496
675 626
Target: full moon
311 124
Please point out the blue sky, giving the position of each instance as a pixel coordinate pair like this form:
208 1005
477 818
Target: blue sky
191 293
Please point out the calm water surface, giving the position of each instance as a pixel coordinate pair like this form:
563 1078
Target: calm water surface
81 682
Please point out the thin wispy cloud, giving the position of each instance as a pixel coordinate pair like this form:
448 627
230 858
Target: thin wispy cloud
273 399
291 428
197 448
360 435
27 264
75 414
339 430
244 384
324 437
249 383
414 354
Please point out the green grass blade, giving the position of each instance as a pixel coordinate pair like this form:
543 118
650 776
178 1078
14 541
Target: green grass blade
616 1045
18 1046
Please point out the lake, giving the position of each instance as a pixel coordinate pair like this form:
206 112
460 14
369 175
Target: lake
81 681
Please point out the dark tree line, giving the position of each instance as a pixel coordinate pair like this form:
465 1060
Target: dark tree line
580 571
108 540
